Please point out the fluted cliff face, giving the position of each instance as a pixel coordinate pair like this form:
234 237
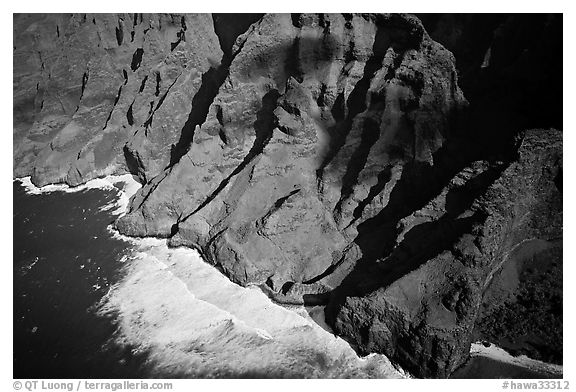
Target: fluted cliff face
312 111
328 158
86 85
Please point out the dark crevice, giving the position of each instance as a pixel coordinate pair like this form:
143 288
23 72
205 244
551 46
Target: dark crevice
422 243
228 27
158 80
119 33
292 63
132 36
137 59
148 122
125 76
348 18
113 107
84 81
356 103
370 134
296 20
154 183
181 35
211 80
383 178
277 205
143 84
322 22
264 124
328 270
129 115
222 136
286 287
418 184
176 226
320 101
221 132
57 31
134 164
383 260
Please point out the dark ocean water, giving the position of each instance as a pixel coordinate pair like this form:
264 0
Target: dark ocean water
64 262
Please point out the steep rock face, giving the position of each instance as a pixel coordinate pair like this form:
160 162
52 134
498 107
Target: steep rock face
420 303
84 85
316 109
506 64
329 158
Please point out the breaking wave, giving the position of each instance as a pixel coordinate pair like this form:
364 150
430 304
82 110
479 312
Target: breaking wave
188 320
194 322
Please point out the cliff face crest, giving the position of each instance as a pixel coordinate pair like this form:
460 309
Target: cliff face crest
324 157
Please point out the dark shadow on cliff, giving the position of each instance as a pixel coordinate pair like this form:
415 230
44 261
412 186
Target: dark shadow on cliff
214 78
385 260
263 127
344 112
227 27
519 87
510 67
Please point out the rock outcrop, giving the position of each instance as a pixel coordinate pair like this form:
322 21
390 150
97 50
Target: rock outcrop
314 112
328 158
419 303
100 94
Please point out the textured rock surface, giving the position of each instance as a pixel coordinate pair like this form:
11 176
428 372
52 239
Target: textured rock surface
419 303
85 85
329 158
313 111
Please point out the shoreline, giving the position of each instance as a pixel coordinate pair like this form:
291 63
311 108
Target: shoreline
495 362
142 244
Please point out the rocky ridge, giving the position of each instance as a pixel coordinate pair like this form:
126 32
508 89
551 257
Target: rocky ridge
328 158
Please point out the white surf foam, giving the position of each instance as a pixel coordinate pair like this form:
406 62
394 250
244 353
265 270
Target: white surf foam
130 187
499 354
194 322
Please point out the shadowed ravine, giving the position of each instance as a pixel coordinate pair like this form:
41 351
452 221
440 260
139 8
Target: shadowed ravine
384 166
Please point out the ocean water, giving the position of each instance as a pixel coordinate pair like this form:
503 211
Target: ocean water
63 264
89 302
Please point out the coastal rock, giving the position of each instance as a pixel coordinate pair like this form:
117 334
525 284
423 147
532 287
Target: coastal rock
85 85
419 304
330 159
314 108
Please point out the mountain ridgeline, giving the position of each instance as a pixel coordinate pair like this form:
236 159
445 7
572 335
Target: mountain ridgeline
348 160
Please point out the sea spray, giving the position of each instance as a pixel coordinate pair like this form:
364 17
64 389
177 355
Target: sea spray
189 320
194 322
130 187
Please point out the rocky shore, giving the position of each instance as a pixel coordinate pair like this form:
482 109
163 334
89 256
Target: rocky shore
404 171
